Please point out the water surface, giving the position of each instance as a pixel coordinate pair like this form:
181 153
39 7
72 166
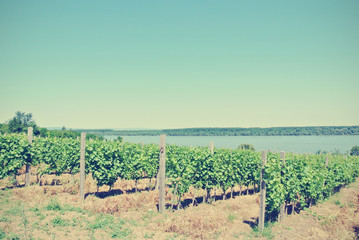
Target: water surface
298 144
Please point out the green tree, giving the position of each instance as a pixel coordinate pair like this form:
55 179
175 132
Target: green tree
44 132
4 128
21 121
246 146
354 151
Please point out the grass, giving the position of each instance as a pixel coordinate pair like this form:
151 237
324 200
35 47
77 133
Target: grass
337 202
121 233
231 217
54 205
2 234
110 224
102 221
12 236
15 210
25 223
59 222
266 233
149 235
55 220
69 208
4 219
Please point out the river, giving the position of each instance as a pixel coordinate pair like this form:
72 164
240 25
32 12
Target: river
298 144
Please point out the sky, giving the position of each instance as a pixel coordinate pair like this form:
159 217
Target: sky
180 64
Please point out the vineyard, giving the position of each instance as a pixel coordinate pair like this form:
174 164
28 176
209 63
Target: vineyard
297 180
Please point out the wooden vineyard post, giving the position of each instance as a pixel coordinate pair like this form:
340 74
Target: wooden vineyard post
262 206
162 174
211 147
82 166
326 161
27 173
282 206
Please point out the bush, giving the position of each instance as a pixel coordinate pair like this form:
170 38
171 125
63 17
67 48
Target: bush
246 146
354 151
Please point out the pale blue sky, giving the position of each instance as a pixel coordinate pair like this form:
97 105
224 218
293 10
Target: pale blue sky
177 64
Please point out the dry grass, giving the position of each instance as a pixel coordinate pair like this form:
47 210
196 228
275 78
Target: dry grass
136 216
207 221
336 218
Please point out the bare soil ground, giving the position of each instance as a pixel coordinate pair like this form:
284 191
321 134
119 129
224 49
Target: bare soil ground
49 211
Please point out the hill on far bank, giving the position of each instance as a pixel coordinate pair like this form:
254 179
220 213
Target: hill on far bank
273 131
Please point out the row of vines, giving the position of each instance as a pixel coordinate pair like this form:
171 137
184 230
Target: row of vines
303 179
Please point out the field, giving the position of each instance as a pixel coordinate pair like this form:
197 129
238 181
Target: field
207 193
54 211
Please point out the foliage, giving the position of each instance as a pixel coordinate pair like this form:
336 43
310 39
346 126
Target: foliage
274 131
354 151
21 121
303 179
66 134
246 146
53 205
14 153
4 128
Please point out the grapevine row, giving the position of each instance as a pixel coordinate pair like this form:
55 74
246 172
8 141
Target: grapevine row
302 179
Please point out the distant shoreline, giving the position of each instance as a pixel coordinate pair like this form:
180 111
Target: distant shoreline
273 131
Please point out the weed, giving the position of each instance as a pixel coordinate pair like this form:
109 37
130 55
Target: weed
15 211
12 236
130 221
58 221
91 235
13 181
36 225
267 231
149 235
235 235
4 219
2 234
34 209
69 208
42 216
5 196
25 222
122 234
148 215
231 217
216 235
75 222
102 221
45 228
37 212
337 202
54 205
